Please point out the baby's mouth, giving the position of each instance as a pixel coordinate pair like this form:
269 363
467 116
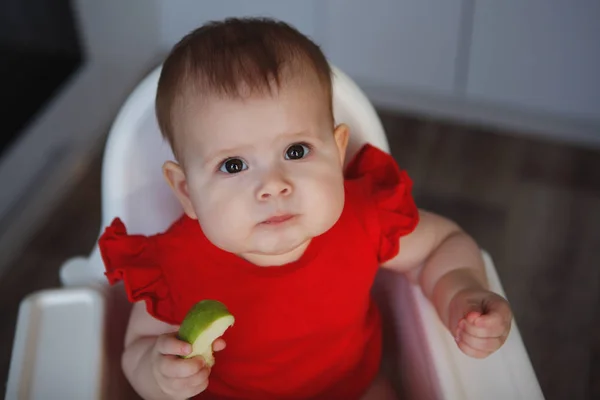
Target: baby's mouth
278 219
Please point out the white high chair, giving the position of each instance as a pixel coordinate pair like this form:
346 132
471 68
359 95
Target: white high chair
69 340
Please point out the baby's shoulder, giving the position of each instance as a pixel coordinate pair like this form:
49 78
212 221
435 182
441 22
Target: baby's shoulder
374 182
182 232
379 194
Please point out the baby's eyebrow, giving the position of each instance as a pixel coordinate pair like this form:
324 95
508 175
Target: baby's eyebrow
223 154
306 132
297 135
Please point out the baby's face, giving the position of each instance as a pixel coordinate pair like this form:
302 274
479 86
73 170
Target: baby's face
264 174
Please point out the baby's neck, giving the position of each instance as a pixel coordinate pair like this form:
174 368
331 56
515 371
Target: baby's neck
276 260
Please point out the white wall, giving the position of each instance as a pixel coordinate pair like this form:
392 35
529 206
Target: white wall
402 43
121 32
538 54
178 17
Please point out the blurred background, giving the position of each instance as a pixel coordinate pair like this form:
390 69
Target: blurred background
492 106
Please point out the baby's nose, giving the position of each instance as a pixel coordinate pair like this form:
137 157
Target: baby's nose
266 194
275 186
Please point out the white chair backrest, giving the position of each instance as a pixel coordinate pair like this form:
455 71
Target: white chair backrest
133 187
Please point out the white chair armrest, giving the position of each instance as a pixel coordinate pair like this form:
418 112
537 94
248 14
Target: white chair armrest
58 346
68 341
430 364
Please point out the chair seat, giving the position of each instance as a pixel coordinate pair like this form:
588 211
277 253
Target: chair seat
65 338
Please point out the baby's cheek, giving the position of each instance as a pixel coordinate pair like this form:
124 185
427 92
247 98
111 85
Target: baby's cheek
324 203
224 223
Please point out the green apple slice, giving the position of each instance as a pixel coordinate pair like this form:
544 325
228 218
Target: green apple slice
206 321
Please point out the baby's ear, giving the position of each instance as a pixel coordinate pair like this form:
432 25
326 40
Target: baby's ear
341 134
175 177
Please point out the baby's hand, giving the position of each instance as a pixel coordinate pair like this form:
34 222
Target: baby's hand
480 321
178 377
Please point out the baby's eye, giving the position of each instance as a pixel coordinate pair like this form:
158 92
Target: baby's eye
233 166
297 151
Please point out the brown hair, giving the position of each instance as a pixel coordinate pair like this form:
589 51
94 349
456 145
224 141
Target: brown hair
232 57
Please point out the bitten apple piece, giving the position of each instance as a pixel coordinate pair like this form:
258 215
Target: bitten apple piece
206 321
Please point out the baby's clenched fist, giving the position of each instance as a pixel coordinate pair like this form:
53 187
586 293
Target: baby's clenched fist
177 377
480 321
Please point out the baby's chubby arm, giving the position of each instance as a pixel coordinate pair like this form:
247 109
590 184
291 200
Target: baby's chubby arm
448 265
151 361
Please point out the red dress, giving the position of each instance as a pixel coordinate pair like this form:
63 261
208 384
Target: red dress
304 330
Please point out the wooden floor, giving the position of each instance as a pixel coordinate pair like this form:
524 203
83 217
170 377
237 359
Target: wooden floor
534 206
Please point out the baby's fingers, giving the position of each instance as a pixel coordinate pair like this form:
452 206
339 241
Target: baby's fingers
169 345
486 345
190 386
176 367
486 326
218 345
471 352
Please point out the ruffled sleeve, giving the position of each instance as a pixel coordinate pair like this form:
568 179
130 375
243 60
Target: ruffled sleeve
133 260
387 196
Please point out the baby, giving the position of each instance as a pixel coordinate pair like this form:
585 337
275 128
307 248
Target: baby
283 230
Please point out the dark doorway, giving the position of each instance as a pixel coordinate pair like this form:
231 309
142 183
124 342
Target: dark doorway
39 51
